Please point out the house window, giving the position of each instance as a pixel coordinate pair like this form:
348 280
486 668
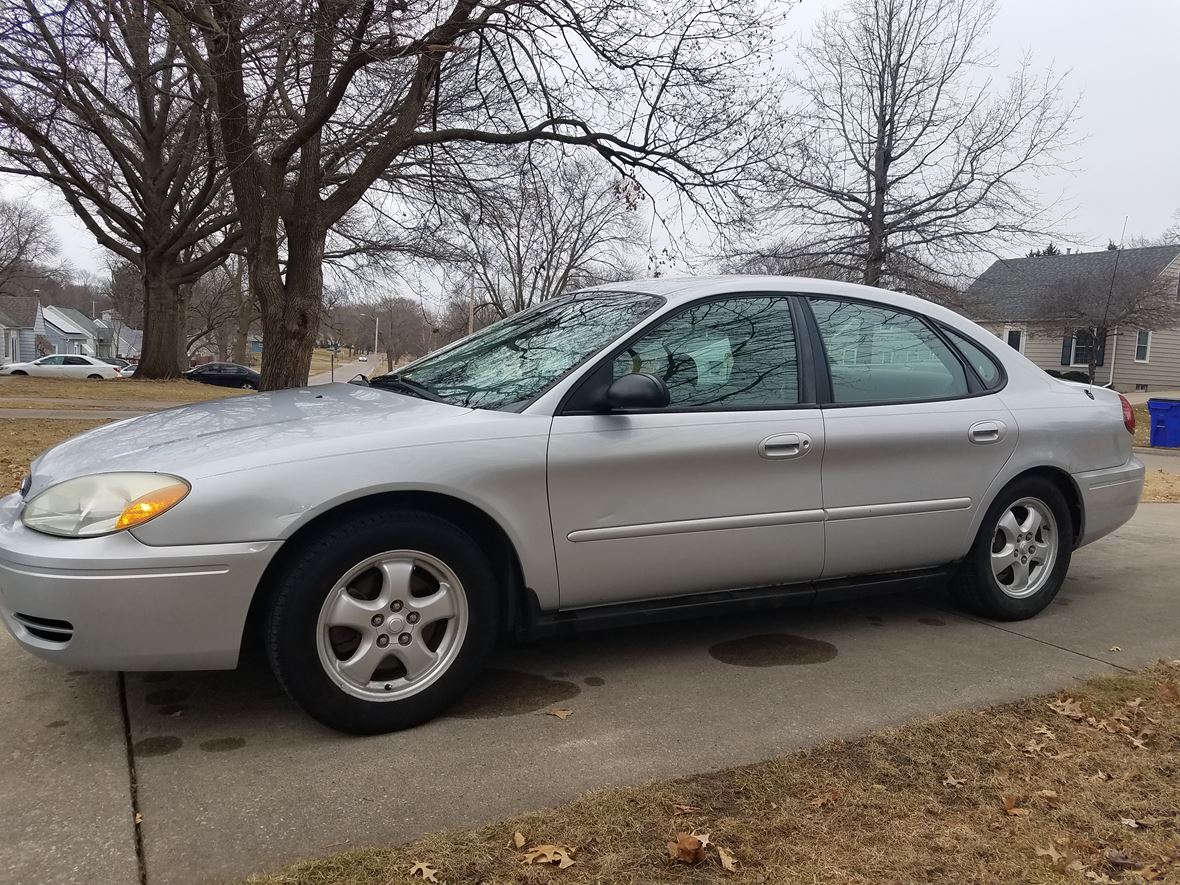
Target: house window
1083 347
1015 339
1143 346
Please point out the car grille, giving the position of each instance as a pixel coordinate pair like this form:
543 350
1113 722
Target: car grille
49 629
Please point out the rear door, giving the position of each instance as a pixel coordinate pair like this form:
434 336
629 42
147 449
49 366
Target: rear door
78 367
719 490
914 437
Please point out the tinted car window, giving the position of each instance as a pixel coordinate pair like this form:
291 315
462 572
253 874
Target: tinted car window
735 353
76 361
981 361
877 355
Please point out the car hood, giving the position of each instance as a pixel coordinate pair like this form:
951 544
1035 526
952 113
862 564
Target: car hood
240 432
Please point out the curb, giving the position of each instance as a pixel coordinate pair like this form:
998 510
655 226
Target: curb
1148 450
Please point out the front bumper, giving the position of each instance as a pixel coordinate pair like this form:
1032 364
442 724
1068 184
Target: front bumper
1109 498
113 603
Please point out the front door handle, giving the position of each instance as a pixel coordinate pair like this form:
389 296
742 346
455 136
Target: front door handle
784 445
984 432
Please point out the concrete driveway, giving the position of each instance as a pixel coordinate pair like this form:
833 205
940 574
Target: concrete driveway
230 778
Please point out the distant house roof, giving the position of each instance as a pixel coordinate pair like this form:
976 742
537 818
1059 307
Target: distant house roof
21 309
1027 288
79 319
66 324
6 321
131 339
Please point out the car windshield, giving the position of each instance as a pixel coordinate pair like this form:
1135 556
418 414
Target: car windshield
511 362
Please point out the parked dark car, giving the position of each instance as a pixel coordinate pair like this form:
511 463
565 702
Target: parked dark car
117 362
225 375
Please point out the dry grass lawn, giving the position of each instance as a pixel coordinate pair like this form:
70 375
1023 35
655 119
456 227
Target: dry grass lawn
23 439
129 389
1161 487
1142 425
1077 790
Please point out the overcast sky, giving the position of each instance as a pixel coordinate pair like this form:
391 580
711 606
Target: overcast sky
1123 60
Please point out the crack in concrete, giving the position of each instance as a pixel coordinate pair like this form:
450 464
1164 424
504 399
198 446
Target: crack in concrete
132 780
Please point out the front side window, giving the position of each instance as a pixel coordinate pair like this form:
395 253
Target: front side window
735 353
55 360
515 360
878 355
1142 346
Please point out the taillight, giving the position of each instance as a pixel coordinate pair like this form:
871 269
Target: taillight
1128 414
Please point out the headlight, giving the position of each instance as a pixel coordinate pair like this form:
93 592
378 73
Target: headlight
103 503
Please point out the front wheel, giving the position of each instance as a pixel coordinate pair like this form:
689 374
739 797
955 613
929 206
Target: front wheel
381 621
95 377
19 372
249 386
1021 554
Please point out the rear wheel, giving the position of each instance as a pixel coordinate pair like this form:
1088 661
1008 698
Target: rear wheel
249 386
1021 554
95 377
381 622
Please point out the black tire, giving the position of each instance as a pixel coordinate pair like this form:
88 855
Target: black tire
978 589
249 386
19 372
94 377
304 581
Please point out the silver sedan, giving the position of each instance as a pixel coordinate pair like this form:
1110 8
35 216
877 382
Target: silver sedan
639 449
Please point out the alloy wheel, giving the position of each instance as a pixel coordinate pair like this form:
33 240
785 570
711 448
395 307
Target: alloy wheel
1024 547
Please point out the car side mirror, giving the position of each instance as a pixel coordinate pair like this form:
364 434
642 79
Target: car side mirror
637 391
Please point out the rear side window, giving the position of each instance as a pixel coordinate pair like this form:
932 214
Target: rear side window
878 355
76 361
981 361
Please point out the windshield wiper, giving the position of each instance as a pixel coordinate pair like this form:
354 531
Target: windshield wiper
403 383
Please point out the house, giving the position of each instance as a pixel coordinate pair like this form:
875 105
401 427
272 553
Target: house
69 331
1048 306
115 338
22 322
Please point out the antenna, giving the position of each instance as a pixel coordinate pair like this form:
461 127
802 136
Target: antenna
1109 298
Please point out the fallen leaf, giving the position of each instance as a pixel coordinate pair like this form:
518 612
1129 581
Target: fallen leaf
686 849
704 837
1151 873
1099 775
826 798
1129 822
560 713
951 781
1047 794
425 870
689 809
1114 648
518 839
1067 707
138 818
1075 866
1052 853
1120 859
1032 748
1167 691
1012 805
1139 743
1045 731
728 861
1099 878
557 854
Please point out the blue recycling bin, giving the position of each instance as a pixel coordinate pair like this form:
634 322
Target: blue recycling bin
1165 422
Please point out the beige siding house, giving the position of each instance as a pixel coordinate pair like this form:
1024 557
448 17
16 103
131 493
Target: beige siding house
1026 303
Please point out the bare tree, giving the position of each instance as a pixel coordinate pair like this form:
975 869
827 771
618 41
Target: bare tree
904 146
556 222
318 100
26 240
96 101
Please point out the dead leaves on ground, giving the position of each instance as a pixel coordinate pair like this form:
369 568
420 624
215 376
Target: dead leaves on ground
554 854
692 848
560 713
425 871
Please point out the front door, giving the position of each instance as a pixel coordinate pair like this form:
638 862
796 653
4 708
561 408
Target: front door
720 490
914 438
48 366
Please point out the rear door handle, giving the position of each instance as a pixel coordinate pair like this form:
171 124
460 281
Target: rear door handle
784 445
984 432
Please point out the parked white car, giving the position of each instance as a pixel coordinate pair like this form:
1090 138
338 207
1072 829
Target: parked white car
64 365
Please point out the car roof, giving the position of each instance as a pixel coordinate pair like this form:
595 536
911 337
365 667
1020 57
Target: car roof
679 289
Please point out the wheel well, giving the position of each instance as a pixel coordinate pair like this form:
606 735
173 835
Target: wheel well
1069 491
483 529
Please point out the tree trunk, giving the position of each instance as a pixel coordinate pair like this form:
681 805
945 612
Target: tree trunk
162 326
290 310
183 296
241 346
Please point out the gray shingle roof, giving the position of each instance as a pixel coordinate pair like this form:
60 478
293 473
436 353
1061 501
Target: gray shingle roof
1026 288
21 309
84 322
7 321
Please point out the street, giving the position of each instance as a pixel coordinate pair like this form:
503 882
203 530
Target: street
230 778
